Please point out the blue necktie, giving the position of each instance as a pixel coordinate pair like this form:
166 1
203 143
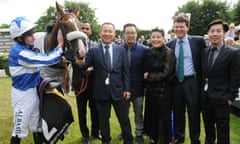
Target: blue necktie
180 70
107 57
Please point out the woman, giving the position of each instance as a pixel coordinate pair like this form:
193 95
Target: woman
24 65
160 71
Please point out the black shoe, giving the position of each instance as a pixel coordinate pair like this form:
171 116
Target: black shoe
86 140
179 141
97 136
139 139
153 141
119 137
15 140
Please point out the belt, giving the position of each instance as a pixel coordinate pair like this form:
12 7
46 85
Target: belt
188 77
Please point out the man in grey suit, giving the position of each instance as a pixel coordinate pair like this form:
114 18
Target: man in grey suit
111 84
187 81
221 80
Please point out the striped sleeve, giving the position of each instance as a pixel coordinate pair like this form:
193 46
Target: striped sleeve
29 58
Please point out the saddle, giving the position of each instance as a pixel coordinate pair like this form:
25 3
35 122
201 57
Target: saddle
55 112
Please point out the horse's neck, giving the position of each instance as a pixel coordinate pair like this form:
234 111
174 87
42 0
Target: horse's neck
50 41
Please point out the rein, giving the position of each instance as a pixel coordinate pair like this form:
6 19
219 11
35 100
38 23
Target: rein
83 86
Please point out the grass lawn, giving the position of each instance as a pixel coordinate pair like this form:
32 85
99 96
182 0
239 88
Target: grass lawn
6 122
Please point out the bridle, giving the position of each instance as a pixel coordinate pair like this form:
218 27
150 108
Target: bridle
68 48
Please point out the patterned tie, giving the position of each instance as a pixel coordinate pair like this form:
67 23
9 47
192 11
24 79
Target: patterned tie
180 70
107 57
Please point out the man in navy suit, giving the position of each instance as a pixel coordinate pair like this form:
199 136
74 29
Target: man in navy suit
187 82
221 80
111 84
136 57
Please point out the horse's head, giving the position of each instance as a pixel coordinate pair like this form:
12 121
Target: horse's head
75 41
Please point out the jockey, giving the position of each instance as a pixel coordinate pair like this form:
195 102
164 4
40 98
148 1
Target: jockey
24 65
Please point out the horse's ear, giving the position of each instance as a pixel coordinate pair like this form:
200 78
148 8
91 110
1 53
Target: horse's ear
59 9
76 11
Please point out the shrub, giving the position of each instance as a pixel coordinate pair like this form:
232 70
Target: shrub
4 63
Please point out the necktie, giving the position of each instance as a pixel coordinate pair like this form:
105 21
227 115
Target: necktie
107 57
211 58
180 70
129 56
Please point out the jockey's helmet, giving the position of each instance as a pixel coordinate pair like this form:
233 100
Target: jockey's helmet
21 25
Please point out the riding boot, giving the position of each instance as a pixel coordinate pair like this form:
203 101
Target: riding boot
38 138
15 140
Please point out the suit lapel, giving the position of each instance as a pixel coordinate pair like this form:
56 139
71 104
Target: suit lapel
192 45
101 56
205 59
114 53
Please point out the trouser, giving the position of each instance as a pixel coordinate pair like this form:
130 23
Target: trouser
82 100
187 94
121 108
216 119
138 117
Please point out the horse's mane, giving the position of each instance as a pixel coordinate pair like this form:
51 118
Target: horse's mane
49 27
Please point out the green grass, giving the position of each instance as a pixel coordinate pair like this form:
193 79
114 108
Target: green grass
6 122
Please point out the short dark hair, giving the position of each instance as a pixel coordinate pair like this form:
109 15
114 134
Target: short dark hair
107 23
86 21
218 21
182 18
129 25
158 30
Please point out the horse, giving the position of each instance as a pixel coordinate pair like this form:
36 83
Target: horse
55 112
75 46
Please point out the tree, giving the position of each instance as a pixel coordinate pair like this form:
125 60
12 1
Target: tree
236 13
86 13
203 12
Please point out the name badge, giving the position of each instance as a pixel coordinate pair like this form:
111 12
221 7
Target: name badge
206 85
107 82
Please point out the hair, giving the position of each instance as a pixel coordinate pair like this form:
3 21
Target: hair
129 25
107 23
218 21
21 39
157 30
182 18
86 21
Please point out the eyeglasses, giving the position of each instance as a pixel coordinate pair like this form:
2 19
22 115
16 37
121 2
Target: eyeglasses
130 33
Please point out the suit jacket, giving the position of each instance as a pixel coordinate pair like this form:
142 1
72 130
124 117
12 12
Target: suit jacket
138 57
196 44
224 77
119 74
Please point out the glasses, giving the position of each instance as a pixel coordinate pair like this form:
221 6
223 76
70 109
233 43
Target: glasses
130 33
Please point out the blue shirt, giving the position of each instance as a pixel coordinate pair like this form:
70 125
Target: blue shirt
188 62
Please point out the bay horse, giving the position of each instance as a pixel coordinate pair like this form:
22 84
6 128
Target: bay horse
55 112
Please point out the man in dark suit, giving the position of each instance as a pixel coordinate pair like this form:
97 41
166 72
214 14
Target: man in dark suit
85 96
136 57
187 81
111 84
221 80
